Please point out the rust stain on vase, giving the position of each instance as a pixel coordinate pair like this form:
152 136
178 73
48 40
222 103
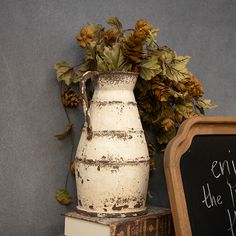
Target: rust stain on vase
78 174
111 103
119 208
113 164
117 134
139 204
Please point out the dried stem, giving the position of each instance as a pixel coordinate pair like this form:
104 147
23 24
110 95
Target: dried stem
71 157
65 109
71 136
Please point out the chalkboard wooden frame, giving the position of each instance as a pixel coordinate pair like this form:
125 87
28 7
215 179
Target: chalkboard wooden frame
173 153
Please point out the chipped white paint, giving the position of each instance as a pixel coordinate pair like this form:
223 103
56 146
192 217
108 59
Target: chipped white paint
112 167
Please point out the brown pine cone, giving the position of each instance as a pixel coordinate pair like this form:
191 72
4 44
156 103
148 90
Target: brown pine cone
160 90
194 87
151 151
145 105
70 98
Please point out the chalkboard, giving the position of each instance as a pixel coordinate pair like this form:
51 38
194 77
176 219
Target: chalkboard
200 168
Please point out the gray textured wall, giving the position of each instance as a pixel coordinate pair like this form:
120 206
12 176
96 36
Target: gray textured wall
35 34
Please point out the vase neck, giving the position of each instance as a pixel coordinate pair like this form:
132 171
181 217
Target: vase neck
116 81
115 86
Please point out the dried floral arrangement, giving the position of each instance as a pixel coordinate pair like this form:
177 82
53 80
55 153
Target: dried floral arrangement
167 93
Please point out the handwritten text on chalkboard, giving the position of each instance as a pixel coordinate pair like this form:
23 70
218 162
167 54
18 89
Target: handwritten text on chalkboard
222 171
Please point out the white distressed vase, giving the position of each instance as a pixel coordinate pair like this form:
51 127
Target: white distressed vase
112 167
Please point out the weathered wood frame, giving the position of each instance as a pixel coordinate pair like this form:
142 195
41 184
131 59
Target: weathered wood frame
174 151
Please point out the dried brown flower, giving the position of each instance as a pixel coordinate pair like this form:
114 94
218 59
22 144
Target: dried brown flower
111 35
139 36
167 124
86 35
194 87
145 105
142 24
179 117
160 90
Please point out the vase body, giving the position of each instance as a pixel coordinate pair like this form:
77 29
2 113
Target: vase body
112 166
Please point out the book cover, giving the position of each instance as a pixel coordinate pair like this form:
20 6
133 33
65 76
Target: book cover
157 222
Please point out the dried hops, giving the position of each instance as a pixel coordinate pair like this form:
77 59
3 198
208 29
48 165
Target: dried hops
166 91
194 87
133 47
70 98
110 36
167 124
143 25
86 35
160 90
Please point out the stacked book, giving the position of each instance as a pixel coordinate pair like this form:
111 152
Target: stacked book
156 222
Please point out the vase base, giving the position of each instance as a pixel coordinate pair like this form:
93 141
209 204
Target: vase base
111 214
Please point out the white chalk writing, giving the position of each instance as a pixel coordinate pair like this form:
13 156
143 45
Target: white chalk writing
231 221
209 199
232 191
222 168
226 171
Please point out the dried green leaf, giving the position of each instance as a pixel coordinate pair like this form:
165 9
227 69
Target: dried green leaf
180 62
184 108
91 51
114 21
96 27
63 197
149 68
65 133
205 104
176 69
151 42
176 94
111 59
64 72
101 64
116 56
80 71
125 67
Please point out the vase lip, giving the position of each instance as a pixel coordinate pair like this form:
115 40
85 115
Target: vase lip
118 72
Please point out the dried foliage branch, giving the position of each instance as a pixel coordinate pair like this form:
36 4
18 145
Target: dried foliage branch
167 93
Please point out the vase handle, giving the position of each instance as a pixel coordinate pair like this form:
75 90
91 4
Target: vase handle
87 75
